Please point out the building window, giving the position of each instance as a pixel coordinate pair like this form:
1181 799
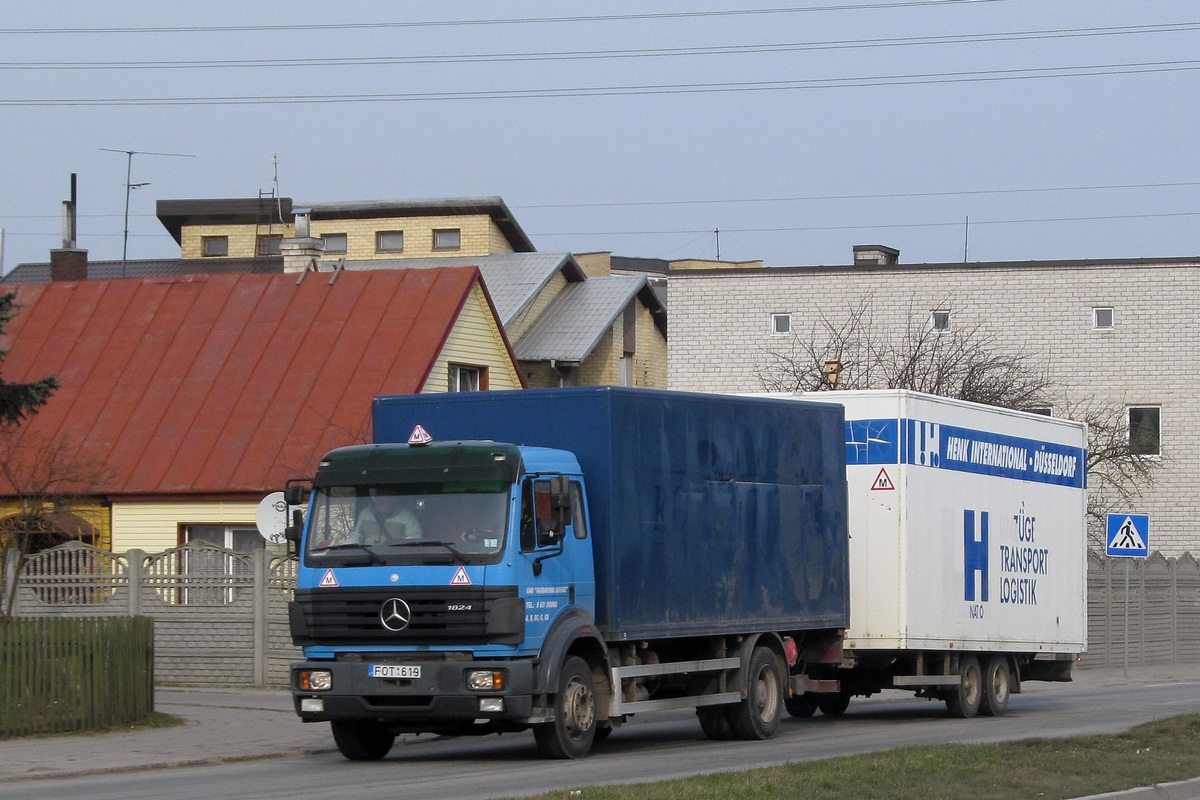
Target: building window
389 241
214 246
781 324
939 320
269 245
1102 318
207 576
447 239
1145 430
467 379
334 242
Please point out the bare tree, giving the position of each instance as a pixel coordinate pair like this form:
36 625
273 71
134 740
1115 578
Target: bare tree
967 362
53 485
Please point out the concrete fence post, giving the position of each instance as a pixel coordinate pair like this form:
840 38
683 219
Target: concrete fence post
136 575
12 561
262 640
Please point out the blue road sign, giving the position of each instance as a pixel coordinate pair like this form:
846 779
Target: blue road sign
1128 535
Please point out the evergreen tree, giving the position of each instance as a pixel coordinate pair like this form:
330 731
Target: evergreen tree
19 400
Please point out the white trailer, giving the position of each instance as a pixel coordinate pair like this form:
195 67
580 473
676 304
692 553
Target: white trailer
968 554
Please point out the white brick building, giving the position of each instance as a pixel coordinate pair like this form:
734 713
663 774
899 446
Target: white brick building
1124 331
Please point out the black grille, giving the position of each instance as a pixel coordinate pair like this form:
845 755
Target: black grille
453 615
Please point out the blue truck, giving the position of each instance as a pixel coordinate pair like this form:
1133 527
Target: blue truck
560 560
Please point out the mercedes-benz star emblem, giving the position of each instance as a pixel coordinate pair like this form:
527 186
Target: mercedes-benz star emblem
395 614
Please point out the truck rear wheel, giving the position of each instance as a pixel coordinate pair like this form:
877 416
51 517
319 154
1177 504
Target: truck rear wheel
573 730
802 705
833 705
759 713
964 700
362 739
996 675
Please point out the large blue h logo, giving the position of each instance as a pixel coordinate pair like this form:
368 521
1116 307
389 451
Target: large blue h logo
975 555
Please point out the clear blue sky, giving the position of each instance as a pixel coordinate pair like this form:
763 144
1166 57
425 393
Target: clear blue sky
1060 128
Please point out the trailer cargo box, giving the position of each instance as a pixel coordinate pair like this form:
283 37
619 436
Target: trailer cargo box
967 525
709 514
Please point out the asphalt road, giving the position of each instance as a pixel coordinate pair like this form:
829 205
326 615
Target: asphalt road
644 750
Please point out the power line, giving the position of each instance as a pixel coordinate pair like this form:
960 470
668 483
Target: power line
335 26
577 55
930 78
880 226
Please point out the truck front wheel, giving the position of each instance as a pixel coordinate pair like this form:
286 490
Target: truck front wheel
362 739
571 733
964 700
758 715
995 686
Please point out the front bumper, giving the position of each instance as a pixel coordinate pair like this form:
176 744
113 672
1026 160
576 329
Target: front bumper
440 695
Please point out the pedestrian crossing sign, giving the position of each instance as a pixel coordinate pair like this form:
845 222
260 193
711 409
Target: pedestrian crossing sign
1128 535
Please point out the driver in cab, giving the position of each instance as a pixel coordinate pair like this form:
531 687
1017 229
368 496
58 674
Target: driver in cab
388 519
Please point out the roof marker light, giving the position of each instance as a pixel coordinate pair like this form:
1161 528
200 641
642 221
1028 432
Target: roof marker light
419 437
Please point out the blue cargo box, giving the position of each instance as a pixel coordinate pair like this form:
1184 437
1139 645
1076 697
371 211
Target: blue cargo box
710 514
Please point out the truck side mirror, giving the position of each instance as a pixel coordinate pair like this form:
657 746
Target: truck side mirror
294 495
292 532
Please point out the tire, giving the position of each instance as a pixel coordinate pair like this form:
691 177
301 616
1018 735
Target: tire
833 705
362 739
996 686
964 700
760 712
802 705
714 721
573 730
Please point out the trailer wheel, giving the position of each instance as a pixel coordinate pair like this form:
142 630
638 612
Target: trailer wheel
362 739
714 721
759 714
964 700
833 705
802 705
573 730
995 687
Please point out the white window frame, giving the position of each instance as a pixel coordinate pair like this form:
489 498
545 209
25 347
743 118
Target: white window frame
467 378
786 319
937 316
1097 312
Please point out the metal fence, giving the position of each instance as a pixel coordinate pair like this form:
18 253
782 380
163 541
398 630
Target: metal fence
73 674
221 617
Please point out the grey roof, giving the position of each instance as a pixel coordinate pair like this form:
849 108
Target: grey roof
140 268
513 279
571 327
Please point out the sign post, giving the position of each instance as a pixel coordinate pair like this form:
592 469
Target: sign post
1128 537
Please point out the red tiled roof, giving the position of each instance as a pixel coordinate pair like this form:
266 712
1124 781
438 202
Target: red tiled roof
225 384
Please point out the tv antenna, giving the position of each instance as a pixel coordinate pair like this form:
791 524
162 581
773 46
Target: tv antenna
129 187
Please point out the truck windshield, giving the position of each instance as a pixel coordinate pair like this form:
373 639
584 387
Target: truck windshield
427 523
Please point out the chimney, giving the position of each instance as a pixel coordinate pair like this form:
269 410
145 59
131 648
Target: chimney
865 254
70 263
303 252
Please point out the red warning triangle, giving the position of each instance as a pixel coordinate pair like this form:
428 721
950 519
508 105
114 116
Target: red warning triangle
460 578
419 436
329 579
883 482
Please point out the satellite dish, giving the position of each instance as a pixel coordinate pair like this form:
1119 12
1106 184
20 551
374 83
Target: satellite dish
271 517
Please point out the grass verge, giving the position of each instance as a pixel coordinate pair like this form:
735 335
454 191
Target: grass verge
1157 752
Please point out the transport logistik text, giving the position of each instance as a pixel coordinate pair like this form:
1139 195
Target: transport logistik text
1007 456
1022 560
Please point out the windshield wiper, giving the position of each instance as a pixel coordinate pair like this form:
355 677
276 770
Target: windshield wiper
422 542
375 557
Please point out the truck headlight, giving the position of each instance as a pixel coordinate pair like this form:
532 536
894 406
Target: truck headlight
314 680
485 680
